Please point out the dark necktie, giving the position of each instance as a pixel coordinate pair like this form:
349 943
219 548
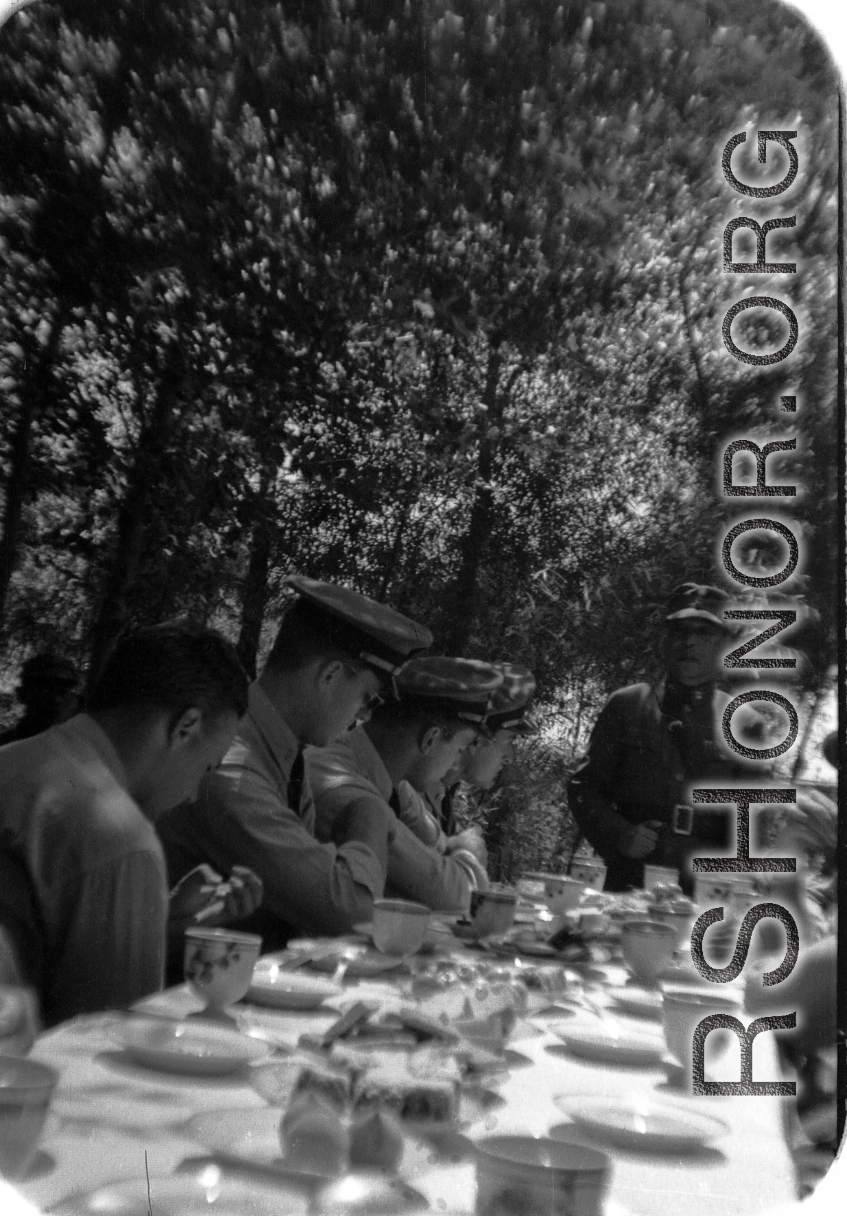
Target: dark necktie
295 783
394 803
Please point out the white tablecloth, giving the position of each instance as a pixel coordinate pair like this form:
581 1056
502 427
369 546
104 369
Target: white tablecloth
108 1114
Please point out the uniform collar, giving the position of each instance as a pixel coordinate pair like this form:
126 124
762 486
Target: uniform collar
273 728
369 761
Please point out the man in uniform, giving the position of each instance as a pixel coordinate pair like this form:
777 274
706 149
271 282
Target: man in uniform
332 656
427 806
439 708
651 745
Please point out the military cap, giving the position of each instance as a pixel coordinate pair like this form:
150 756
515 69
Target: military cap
511 700
49 669
696 601
458 688
373 633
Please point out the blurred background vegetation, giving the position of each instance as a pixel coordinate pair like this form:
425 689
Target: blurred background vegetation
421 296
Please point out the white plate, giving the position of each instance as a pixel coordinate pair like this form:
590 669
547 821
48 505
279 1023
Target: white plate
650 1124
289 989
253 1135
611 1042
365 961
211 1191
643 1002
187 1047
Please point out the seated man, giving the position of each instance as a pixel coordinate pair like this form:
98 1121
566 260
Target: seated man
333 651
631 794
427 806
440 706
76 805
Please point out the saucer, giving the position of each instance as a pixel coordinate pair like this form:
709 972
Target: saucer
365 960
611 1042
647 1124
212 1191
187 1047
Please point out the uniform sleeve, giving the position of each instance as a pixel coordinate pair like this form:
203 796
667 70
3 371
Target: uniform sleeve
418 819
419 872
588 789
316 887
113 950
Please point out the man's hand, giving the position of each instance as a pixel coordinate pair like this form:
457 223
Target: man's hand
203 897
642 840
471 840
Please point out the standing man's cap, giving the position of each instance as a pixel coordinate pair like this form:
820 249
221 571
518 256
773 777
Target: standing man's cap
697 601
458 688
368 631
49 669
511 700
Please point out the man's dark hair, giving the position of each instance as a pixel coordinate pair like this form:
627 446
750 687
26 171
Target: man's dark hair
301 639
173 666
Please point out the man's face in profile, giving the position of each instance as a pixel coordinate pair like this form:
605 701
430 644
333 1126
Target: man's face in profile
694 651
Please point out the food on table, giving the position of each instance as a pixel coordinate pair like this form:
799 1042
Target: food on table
418 1098
332 1084
313 1136
376 1141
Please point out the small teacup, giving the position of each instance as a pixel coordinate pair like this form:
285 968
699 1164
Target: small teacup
26 1087
660 876
562 892
538 1177
219 967
591 871
492 912
399 926
648 946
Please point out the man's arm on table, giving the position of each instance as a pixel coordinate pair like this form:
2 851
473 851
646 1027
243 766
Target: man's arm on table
416 871
441 881
605 829
318 888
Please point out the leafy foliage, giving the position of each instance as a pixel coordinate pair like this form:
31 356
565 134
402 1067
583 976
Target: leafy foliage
422 297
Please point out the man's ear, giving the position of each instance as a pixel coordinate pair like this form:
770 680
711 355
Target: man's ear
185 726
428 739
326 672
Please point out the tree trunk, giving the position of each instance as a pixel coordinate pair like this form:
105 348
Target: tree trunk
476 538
33 399
255 591
702 392
133 516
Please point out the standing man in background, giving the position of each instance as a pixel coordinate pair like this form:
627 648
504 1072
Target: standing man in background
651 744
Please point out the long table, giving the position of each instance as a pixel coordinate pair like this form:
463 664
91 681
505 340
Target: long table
113 1119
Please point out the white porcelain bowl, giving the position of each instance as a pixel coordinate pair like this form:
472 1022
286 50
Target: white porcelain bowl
26 1087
